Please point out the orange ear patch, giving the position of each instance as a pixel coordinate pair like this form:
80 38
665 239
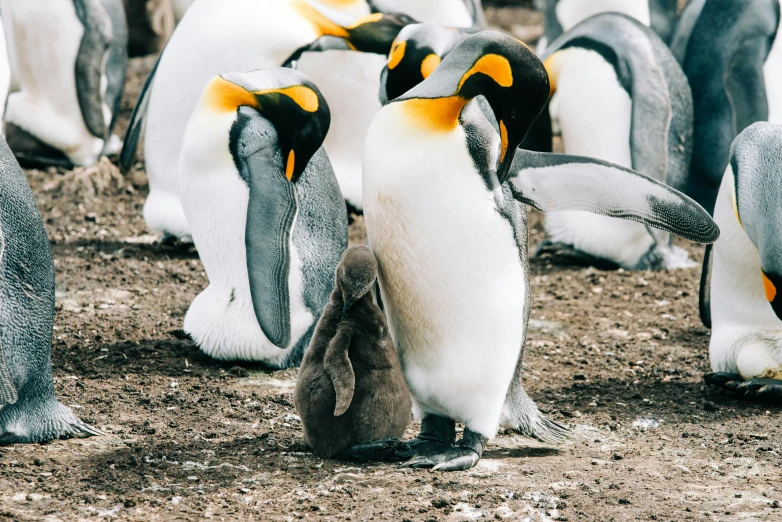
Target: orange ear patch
494 66
323 25
397 55
429 64
768 286
304 97
435 114
224 96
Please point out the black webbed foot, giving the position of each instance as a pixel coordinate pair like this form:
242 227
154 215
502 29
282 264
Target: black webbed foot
756 388
378 450
460 456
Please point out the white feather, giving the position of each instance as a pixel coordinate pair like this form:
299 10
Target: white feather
451 278
572 12
746 335
47 36
772 72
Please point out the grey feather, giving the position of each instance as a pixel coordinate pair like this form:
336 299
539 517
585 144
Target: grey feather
102 51
558 182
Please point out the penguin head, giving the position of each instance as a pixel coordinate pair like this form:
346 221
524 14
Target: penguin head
284 97
493 65
356 273
376 32
756 165
415 54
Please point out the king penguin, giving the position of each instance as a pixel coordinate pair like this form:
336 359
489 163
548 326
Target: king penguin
230 35
560 16
349 81
266 212
29 410
442 195
619 95
71 56
732 56
742 275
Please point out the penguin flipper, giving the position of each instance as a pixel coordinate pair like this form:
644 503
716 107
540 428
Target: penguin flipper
271 211
704 302
745 84
137 119
8 394
560 182
92 55
340 370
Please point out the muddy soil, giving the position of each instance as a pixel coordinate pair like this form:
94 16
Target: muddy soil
616 355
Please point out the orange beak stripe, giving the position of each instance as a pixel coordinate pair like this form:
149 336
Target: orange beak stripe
768 286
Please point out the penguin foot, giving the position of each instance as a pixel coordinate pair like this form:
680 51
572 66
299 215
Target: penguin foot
378 450
26 422
652 260
455 457
756 388
574 255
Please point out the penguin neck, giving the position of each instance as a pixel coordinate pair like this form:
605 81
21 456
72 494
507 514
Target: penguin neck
435 114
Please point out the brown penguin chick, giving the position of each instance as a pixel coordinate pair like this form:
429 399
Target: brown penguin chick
351 394
150 24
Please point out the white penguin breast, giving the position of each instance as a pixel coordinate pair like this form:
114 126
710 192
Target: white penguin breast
572 12
450 273
772 72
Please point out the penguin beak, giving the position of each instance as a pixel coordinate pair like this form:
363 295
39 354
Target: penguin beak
770 284
508 146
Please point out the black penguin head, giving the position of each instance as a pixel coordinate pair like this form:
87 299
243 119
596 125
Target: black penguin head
500 68
415 54
285 97
376 32
356 273
756 165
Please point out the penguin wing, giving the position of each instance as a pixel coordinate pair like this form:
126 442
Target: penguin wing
90 60
136 125
559 182
704 302
745 83
8 393
117 63
271 211
684 28
340 370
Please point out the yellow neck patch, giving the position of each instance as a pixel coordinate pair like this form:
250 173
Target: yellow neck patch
553 65
494 66
429 64
397 55
323 26
436 114
768 286
224 96
301 94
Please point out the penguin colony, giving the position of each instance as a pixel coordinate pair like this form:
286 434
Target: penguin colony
266 120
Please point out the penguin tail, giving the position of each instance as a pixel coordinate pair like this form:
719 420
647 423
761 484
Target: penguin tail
521 414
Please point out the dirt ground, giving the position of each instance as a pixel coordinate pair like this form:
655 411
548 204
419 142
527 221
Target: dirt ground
617 356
